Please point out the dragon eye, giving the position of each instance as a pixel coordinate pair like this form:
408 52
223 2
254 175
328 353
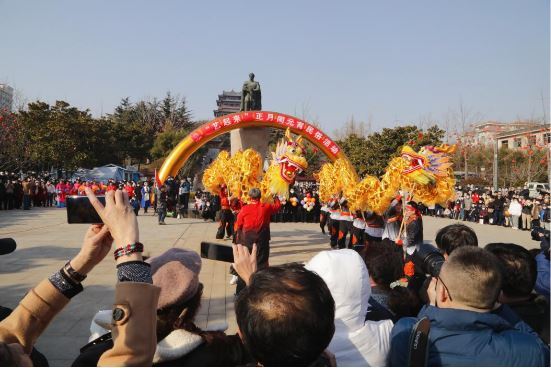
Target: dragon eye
292 150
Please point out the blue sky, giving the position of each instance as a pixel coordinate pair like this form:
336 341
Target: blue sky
390 62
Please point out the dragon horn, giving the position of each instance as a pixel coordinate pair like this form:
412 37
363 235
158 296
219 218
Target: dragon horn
299 141
288 134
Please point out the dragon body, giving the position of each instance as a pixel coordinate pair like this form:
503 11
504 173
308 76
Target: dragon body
427 175
243 171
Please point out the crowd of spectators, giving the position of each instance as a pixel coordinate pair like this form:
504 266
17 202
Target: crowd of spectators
302 204
465 305
174 200
510 207
43 191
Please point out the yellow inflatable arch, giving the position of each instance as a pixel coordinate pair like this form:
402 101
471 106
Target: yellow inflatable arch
226 123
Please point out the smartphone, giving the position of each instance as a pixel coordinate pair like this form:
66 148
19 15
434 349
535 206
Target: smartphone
81 211
217 252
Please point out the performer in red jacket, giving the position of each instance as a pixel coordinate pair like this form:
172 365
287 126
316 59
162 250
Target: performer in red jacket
253 227
226 215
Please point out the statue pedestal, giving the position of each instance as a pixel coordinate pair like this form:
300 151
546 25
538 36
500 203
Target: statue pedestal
255 138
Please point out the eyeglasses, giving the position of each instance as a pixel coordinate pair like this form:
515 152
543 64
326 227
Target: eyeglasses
445 287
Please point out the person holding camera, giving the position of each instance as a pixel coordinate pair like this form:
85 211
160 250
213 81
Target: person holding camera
519 278
463 330
455 236
134 309
542 262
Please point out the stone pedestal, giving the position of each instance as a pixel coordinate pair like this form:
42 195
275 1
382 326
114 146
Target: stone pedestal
255 138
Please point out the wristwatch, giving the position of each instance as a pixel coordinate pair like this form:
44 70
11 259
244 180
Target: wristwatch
70 272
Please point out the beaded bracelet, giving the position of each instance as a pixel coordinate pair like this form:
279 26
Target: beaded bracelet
128 249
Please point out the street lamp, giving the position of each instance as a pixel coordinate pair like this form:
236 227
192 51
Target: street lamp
495 165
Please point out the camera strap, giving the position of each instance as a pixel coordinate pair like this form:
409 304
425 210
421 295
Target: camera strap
418 352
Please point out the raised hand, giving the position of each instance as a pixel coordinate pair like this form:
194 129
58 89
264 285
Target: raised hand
244 262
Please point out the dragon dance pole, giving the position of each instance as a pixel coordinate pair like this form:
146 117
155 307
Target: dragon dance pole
404 205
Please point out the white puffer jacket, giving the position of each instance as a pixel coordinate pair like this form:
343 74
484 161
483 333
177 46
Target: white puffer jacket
515 208
356 342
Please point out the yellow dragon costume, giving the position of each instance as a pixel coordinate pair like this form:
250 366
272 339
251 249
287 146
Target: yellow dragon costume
242 171
427 175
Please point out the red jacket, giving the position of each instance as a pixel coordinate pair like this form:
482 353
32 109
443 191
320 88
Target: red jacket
130 190
224 202
255 216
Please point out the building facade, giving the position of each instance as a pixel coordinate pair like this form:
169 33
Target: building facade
228 102
535 137
6 97
486 132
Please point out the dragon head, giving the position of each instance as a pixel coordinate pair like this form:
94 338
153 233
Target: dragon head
429 163
289 156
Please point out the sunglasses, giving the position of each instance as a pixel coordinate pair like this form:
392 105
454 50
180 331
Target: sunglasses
445 287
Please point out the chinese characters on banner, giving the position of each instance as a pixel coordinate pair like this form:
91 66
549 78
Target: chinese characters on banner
297 126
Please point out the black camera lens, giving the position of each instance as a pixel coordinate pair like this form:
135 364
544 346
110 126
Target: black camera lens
428 259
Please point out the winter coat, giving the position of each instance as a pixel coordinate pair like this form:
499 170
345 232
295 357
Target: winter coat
542 281
536 208
515 208
499 204
146 196
535 312
356 342
135 337
464 338
180 348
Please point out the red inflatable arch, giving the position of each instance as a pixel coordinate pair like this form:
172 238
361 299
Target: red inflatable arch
226 123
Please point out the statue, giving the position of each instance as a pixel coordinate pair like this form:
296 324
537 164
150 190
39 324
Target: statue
251 98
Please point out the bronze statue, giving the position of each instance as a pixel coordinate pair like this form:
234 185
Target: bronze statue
251 97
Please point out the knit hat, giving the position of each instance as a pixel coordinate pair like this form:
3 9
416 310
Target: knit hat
176 272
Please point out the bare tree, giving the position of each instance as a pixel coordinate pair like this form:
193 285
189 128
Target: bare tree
465 118
446 124
307 115
426 121
369 123
20 101
352 127
544 106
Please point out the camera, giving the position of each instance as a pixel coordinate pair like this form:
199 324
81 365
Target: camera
428 259
542 235
537 231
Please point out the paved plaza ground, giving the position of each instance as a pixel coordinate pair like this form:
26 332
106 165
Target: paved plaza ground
45 242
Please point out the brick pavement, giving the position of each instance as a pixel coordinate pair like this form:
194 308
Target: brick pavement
45 241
